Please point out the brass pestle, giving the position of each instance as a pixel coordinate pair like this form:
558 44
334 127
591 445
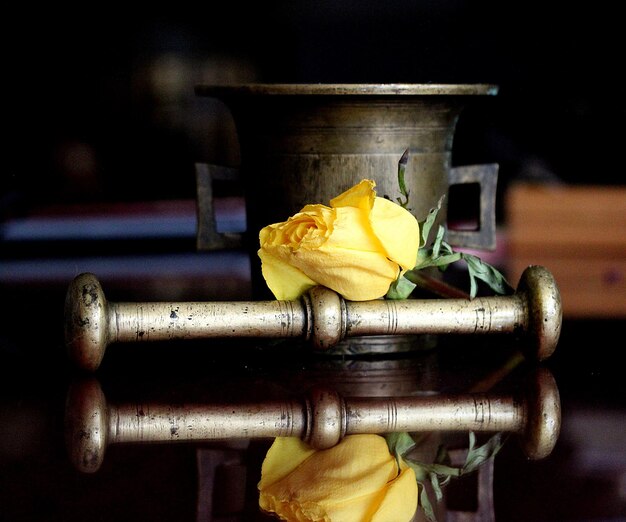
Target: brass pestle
322 418
321 317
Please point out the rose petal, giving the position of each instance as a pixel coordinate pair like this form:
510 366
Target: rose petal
356 275
285 455
351 261
356 248
352 230
398 231
313 224
360 196
351 481
400 495
284 280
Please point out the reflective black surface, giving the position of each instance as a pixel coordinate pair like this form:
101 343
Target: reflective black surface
582 479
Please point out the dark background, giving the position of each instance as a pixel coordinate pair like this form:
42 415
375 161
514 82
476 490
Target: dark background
100 102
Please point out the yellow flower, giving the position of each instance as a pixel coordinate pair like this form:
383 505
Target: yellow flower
357 480
358 246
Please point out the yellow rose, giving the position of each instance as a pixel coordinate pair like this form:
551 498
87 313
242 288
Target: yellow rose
356 480
357 247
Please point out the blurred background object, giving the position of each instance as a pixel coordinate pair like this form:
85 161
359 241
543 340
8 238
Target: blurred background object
577 232
102 106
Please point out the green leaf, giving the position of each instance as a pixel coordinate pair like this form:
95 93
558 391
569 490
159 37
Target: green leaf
400 443
401 182
438 474
478 269
440 254
434 482
446 248
477 456
438 469
421 473
401 288
427 224
438 240
426 505
441 262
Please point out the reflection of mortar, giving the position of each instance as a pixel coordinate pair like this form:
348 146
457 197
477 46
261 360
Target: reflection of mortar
368 377
302 144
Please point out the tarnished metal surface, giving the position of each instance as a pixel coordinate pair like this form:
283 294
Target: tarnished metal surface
322 317
486 176
356 89
322 418
306 143
207 236
484 238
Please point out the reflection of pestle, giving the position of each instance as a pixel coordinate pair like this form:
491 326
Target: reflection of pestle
320 316
322 419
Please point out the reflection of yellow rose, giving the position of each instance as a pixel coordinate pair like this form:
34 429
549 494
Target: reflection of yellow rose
356 480
358 246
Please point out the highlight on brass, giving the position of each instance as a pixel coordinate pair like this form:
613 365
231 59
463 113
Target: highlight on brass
322 418
321 317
